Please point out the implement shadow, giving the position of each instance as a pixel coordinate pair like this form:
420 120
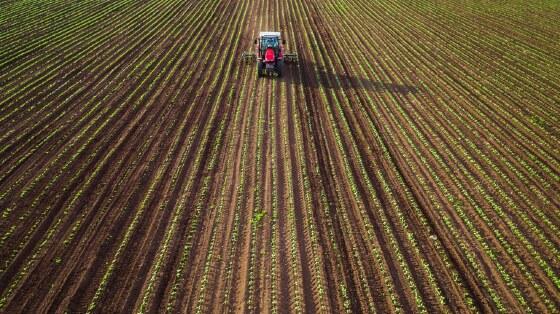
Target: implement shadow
328 79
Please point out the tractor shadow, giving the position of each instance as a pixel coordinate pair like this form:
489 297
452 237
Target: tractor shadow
328 79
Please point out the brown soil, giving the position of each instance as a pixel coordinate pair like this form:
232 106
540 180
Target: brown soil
408 162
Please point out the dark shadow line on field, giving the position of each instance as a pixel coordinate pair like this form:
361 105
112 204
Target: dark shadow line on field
328 79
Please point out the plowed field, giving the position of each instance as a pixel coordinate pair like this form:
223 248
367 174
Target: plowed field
410 162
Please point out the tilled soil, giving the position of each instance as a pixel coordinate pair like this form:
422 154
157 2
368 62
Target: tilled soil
407 163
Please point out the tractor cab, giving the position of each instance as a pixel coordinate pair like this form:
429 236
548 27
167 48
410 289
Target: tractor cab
269 42
269 46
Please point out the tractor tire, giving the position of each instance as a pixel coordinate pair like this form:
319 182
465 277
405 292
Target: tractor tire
260 69
278 68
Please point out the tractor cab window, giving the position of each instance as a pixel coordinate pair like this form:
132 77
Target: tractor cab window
269 42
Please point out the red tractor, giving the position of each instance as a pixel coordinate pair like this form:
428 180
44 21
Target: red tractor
269 54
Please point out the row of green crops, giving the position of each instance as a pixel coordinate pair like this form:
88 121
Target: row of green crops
408 163
521 236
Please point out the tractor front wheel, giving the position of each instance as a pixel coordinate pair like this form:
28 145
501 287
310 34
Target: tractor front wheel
260 69
278 68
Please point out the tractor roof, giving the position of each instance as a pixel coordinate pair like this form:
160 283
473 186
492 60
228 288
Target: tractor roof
269 34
